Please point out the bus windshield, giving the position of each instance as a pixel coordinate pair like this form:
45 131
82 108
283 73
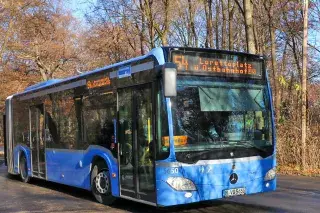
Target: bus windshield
210 115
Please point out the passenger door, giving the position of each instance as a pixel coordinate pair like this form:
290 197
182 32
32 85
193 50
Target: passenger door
37 141
135 137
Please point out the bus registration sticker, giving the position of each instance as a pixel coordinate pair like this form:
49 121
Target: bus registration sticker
234 192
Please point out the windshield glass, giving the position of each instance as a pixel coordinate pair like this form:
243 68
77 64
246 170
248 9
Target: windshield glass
211 115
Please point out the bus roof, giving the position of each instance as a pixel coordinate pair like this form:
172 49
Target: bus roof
158 53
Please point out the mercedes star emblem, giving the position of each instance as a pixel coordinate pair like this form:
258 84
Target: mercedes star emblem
233 178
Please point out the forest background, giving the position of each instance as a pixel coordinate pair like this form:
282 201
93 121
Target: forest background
45 39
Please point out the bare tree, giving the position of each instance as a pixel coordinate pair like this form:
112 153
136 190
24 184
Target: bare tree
270 6
209 28
224 9
45 40
163 30
247 6
304 86
231 9
191 23
217 24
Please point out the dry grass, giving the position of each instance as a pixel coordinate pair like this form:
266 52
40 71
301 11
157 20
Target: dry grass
296 170
289 149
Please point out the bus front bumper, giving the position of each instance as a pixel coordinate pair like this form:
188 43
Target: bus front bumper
167 196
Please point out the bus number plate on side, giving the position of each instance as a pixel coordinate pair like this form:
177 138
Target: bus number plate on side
234 192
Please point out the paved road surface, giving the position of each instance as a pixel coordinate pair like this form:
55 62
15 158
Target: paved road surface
294 194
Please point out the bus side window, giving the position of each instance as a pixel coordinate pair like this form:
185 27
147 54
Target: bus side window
51 127
61 123
79 116
21 123
99 112
67 121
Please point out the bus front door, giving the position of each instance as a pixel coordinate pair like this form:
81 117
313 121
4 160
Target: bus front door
37 141
135 136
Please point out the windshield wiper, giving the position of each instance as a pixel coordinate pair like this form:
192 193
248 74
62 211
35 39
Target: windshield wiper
252 145
192 155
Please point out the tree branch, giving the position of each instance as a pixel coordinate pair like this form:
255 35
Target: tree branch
240 8
315 48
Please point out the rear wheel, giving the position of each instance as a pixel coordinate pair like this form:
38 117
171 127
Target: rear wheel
23 167
101 183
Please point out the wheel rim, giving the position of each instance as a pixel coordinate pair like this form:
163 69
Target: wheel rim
102 182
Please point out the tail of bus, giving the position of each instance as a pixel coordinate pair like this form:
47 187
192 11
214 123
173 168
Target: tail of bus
4 139
8 140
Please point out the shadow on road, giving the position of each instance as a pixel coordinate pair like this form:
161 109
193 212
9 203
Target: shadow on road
221 206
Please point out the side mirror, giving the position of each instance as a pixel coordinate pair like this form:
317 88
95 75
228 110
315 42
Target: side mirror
169 76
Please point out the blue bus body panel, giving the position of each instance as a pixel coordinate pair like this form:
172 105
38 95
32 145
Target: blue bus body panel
212 177
73 168
64 166
16 156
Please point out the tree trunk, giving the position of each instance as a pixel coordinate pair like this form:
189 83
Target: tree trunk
249 26
164 36
210 24
275 74
231 12
150 21
224 25
296 56
143 28
217 25
274 62
304 87
208 13
43 74
191 24
189 32
256 42
283 70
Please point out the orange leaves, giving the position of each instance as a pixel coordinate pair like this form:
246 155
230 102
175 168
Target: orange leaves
12 82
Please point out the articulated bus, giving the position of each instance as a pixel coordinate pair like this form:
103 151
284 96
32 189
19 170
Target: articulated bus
175 126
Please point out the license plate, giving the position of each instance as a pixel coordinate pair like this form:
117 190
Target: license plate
234 192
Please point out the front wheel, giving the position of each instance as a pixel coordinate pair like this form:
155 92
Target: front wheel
101 183
23 167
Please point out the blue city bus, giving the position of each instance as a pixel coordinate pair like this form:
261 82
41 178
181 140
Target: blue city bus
175 126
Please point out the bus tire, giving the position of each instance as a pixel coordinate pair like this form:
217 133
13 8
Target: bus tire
23 169
101 183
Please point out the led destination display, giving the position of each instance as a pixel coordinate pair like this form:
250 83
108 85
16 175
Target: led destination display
217 64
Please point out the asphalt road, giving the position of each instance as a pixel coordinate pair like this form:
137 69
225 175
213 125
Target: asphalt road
294 194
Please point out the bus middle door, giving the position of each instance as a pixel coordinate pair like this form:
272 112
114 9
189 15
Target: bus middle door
37 141
136 143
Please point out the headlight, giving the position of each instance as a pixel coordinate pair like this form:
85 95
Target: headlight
181 184
271 174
